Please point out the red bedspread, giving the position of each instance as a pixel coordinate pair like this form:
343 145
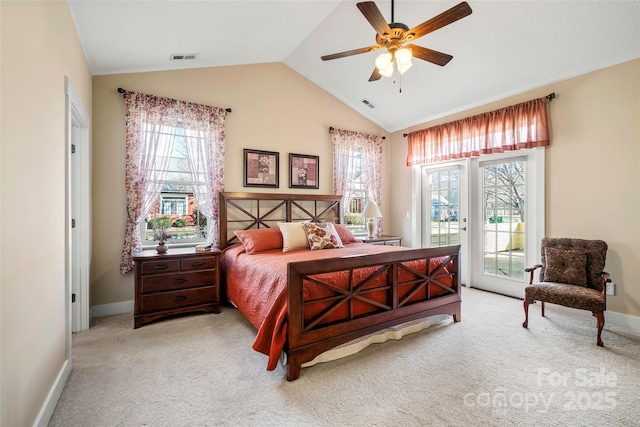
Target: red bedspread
256 284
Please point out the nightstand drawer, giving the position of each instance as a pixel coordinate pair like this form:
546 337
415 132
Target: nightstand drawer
160 266
177 299
170 282
201 263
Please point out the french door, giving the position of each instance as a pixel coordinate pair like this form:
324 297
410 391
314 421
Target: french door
443 208
508 217
493 206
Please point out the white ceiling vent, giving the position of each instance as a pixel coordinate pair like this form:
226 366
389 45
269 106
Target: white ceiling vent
183 56
366 102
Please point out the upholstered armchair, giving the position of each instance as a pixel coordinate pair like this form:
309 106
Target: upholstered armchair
571 274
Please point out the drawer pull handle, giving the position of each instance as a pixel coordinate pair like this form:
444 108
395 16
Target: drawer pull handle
180 281
197 264
160 266
181 298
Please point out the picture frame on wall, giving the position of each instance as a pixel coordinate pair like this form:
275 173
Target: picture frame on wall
304 171
261 168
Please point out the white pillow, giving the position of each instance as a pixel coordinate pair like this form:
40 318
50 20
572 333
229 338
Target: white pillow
293 236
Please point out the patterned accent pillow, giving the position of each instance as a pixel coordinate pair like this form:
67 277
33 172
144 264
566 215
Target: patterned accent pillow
322 235
293 236
260 239
565 266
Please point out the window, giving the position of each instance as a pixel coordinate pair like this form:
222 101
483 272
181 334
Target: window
356 175
176 207
174 149
355 194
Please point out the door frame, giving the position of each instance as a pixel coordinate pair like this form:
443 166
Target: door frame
78 193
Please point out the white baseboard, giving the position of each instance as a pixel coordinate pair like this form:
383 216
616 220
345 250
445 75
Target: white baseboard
618 319
49 405
109 309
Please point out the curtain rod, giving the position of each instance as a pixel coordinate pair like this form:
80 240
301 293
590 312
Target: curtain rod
123 91
331 130
549 98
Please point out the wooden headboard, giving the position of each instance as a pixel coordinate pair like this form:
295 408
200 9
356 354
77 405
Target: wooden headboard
244 211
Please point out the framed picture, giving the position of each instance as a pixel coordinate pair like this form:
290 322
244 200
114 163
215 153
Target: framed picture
261 168
303 171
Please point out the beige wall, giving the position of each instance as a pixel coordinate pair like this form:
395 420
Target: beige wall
592 169
39 47
274 109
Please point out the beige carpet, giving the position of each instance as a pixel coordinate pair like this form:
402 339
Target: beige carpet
486 370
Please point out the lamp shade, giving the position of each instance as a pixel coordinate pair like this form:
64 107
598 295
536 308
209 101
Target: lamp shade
371 210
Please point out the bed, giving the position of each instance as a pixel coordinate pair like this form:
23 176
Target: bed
305 302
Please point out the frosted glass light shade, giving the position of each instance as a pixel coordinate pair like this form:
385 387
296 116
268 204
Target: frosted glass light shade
383 61
404 67
387 72
403 56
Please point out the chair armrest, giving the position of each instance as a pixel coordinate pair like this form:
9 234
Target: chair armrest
531 270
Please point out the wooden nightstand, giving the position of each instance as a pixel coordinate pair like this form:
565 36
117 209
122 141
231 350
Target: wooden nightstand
384 240
180 281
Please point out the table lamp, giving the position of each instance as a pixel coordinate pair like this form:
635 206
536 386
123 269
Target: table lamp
371 211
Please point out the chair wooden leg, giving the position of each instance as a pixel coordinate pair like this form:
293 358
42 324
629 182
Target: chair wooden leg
600 317
542 308
526 312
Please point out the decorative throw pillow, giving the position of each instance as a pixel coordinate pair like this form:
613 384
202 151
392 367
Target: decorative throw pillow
322 235
260 239
345 234
293 236
565 266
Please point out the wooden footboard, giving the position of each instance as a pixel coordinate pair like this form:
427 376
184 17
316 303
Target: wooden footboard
407 294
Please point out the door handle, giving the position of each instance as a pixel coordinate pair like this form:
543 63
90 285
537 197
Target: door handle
464 228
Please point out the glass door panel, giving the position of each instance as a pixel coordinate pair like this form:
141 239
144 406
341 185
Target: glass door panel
441 207
503 196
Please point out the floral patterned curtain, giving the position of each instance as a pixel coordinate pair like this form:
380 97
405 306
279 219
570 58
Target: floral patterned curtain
345 142
516 127
150 130
205 135
148 148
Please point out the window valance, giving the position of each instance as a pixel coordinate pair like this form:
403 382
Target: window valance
516 127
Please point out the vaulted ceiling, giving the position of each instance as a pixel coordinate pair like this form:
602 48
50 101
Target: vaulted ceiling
501 49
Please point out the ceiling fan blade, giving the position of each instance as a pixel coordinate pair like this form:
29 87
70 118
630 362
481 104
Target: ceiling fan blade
375 75
429 55
374 16
445 18
349 53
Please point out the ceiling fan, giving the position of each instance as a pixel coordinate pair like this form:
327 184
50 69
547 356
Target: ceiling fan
394 35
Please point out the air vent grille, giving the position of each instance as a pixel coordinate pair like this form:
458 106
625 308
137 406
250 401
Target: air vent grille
367 103
183 56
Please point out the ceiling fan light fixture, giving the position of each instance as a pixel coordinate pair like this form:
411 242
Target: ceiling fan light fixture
392 37
383 61
404 67
403 56
387 72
